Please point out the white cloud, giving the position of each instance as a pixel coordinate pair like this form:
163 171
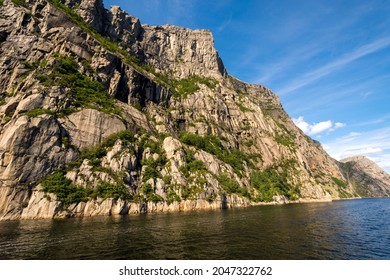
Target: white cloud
316 128
339 125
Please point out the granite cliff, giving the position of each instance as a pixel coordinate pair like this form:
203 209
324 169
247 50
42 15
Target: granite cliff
101 115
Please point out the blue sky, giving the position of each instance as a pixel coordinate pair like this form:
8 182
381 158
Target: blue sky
328 60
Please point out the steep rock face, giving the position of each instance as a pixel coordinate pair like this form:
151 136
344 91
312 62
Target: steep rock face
89 127
31 148
182 52
369 179
106 116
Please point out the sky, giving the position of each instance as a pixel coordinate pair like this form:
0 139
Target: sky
327 60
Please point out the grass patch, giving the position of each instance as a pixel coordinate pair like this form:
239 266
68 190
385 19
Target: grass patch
39 111
29 65
243 108
285 140
187 86
340 183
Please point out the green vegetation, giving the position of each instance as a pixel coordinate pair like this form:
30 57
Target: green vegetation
341 187
69 193
172 196
189 192
39 111
270 183
243 108
95 153
107 190
153 167
187 86
29 65
228 184
85 92
213 145
192 165
1 2
148 191
340 183
43 63
18 2
285 140
211 197
64 189
231 186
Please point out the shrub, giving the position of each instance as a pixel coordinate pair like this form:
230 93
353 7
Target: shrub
150 173
213 145
270 183
64 189
172 196
228 184
107 190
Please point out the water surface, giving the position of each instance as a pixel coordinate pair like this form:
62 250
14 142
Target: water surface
353 229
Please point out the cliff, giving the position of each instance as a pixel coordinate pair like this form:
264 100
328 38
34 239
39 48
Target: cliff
101 115
366 176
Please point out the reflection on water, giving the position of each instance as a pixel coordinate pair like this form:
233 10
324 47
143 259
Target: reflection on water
355 229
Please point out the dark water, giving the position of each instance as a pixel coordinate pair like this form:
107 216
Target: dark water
355 229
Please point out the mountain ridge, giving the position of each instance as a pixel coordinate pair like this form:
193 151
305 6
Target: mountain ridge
369 178
102 115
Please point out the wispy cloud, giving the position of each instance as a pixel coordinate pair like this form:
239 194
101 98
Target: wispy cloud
316 128
276 69
341 94
379 120
225 24
332 66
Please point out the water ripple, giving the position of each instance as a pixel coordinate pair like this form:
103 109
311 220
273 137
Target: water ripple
356 229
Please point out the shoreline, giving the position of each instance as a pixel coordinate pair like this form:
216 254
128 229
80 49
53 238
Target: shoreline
111 207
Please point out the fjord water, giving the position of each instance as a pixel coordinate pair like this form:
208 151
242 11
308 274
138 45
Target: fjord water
352 229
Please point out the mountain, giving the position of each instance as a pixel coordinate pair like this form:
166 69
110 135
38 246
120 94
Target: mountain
366 176
102 115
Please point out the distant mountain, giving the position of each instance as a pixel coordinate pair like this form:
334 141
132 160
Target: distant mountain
366 176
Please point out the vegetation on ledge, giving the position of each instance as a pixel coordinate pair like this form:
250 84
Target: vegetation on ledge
85 92
213 145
